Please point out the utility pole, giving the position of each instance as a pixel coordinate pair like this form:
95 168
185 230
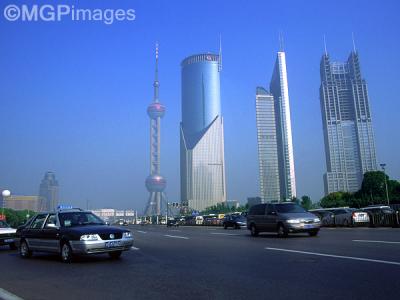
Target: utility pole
386 187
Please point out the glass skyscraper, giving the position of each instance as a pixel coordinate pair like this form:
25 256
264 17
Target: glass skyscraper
347 125
267 146
202 135
274 130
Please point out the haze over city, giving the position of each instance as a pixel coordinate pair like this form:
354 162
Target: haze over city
74 95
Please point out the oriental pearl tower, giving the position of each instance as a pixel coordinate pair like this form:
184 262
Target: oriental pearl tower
155 183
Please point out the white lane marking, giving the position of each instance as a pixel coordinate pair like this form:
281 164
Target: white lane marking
141 231
371 241
176 230
176 236
134 248
336 256
223 233
6 295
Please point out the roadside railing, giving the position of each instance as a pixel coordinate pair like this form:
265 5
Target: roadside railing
384 219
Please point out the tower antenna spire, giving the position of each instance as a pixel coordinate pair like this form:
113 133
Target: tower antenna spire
220 54
281 42
156 82
326 51
354 43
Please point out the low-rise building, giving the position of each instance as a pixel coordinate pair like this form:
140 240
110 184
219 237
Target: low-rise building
19 202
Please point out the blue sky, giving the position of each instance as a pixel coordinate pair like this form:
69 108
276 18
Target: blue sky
74 94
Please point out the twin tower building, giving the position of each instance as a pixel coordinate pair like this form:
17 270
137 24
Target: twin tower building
349 140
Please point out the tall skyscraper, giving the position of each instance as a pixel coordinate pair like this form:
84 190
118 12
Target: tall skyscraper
267 146
48 192
155 183
347 125
274 132
202 133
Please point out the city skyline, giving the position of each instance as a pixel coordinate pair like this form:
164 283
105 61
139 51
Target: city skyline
77 106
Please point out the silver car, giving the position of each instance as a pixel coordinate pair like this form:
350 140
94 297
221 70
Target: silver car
282 218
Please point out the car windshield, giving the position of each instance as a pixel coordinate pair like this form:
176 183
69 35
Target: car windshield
70 219
4 224
289 208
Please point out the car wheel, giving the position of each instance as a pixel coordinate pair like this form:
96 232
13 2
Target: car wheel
313 233
24 250
282 231
66 253
346 223
13 246
225 226
253 230
115 254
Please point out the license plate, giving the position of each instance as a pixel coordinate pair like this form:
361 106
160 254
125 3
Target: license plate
308 226
113 244
9 241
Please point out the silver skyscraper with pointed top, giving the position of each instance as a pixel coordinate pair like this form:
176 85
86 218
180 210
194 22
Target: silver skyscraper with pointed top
274 133
155 183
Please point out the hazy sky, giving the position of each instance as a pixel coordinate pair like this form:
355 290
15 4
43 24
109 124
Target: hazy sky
74 95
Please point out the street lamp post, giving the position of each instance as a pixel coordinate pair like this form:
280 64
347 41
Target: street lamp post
4 194
386 187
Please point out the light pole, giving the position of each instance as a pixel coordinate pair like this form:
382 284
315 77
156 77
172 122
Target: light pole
4 194
386 187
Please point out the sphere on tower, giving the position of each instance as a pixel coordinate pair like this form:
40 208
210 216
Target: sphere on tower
156 183
156 110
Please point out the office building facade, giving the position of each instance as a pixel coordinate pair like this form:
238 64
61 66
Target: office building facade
347 124
274 134
267 146
17 202
202 162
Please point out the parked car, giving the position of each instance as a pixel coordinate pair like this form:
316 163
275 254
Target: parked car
327 218
382 215
7 235
69 232
172 222
282 218
235 220
349 216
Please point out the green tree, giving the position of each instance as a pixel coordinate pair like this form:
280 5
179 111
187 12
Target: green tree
336 199
306 202
373 186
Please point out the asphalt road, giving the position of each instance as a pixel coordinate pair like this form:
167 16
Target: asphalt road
213 263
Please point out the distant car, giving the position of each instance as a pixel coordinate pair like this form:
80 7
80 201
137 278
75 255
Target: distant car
7 235
349 216
172 222
121 223
235 221
69 232
282 218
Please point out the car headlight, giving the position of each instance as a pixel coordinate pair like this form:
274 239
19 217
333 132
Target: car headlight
127 234
90 237
317 220
293 221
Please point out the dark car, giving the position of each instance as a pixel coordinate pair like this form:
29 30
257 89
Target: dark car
172 222
70 232
282 218
381 215
235 221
